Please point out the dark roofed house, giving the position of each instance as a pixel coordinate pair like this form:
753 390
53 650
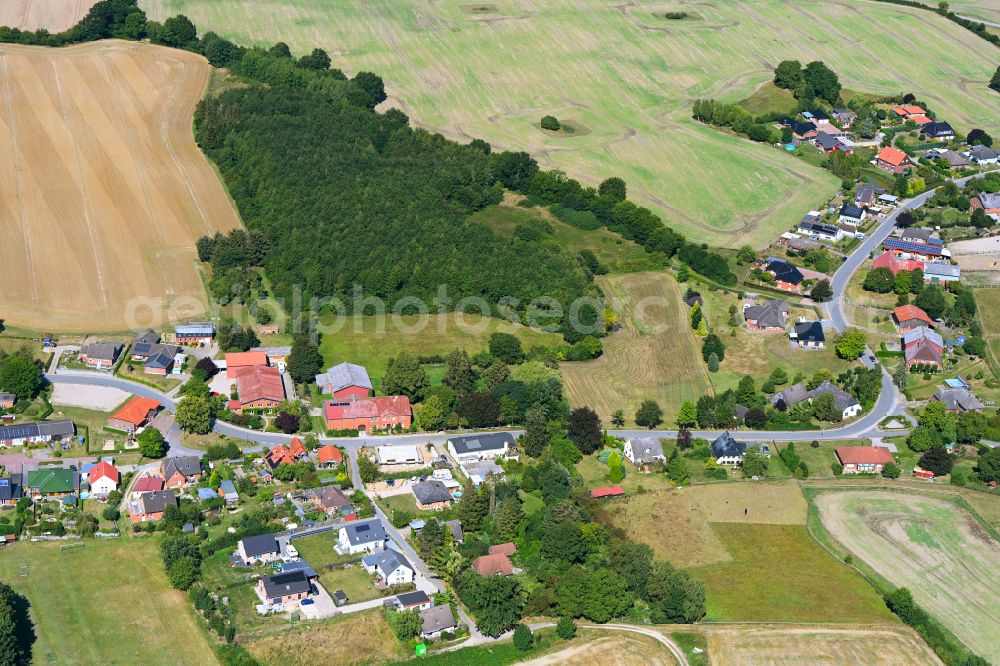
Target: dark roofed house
457 535
938 131
180 471
10 490
431 494
829 143
151 505
727 451
851 214
262 548
807 335
480 447
284 588
35 432
786 276
332 500
983 155
804 130
769 315
413 601
7 400
100 354
865 195
391 567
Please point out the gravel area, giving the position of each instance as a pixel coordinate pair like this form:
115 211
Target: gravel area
100 398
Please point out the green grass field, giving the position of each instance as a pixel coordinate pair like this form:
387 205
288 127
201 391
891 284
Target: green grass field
933 547
106 603
655 355
780 574
360 340
988 301
630 77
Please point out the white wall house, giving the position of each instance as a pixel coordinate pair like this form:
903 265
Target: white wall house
405 454
362 537
480 447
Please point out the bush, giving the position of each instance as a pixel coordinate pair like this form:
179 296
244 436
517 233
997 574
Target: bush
550 123
524 640
566 629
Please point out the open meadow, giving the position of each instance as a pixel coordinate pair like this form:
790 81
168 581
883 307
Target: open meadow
626 77
359 638
655 354
105 191
108 602
988 302
53 15
934 548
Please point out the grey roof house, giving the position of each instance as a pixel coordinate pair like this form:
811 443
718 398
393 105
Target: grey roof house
727 451
343 376
368 535
480 447
770 315
431 493
807 335
437 620
641 451
958 400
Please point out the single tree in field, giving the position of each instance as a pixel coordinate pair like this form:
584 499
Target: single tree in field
550 123
649 415
995 81
17 632
618 418
687 417
851 344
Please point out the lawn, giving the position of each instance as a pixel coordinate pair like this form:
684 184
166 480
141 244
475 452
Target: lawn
631 79
355 582
371 341
778 573
820 459
358 638
94 421
769 98
930 545
988 302
318 550
135 374
88 613
655 355
677 523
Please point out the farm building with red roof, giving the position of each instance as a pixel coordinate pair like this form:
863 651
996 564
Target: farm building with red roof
863 459
367 414
134 414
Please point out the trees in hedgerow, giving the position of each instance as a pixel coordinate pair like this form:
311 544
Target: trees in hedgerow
305 361
584 429
494 600
524 640
613 187
21 375
649 415
459 374
713 345
506 347
988 466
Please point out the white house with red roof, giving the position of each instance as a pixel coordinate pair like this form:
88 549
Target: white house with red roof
104 478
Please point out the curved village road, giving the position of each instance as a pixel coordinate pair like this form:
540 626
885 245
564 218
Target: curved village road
866 426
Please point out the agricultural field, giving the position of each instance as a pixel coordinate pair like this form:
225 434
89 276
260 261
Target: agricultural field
931 546
108 191
626 77
988 302
654 355
53 15
774 646
677 523
75 621
358 638
984 10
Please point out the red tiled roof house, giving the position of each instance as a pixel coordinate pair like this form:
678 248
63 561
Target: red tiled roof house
367 414
863 459
908 317
134 414
259 387
329 456
892 159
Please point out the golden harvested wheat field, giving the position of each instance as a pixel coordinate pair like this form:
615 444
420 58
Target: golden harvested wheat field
103 188
53 15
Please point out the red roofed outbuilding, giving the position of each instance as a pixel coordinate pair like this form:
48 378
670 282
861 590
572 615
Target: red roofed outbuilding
236 361
492 565
611 491
890 261
259 387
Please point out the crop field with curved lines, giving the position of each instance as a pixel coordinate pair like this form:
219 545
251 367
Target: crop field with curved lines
934 548
628 76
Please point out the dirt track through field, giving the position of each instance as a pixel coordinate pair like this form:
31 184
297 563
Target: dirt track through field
53 15
104 190
937 550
